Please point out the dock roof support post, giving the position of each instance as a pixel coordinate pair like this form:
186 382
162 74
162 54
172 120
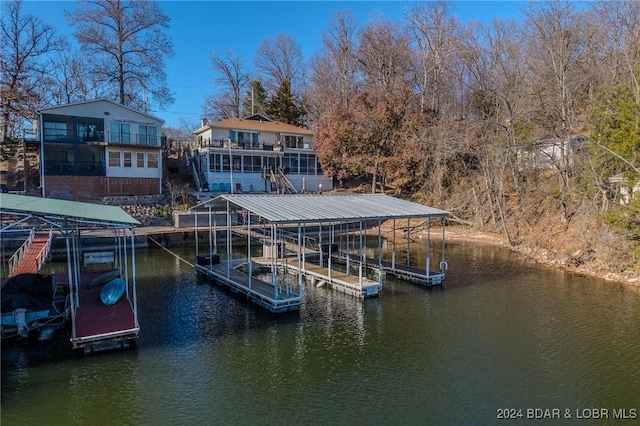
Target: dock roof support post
195 231
428 260
329 252
274 261
443 263
320 243
228 240
249 245
408 241
347 250
215 235
73 290
300 256
379 252
360 263
393 253
210 243
133 275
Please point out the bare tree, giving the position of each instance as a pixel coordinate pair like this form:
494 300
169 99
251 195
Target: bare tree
556 51
231 80
278 61
26 42
384 55
74 81
219 106
620 23
127 45
433 31
334 68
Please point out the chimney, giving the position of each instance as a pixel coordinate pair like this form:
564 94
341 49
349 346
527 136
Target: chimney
203 122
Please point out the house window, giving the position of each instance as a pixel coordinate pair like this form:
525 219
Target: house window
307 164
290 163
140 159
114 159
148 135
120 133
214 163
55 131
127 159
252 164
292 141
152 161
247 138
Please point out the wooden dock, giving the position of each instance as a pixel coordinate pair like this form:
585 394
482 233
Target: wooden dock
275 298
97 326
404 272
341 281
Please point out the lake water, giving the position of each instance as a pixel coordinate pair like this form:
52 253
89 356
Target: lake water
500 334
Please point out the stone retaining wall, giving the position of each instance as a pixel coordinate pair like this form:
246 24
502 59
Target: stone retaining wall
143 208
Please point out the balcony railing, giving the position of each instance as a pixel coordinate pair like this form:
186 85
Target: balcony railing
253 145
64 168
102 136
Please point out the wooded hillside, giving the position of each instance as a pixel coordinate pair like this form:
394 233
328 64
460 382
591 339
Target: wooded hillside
529 128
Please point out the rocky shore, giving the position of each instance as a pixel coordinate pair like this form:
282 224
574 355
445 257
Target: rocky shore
546 257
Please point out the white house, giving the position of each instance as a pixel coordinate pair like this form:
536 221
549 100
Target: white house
257 154
99 148
542 154
628 190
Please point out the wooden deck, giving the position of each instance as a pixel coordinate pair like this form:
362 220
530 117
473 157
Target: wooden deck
337 280
99 326
275 299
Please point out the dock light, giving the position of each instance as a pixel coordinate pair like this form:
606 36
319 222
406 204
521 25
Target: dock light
320 187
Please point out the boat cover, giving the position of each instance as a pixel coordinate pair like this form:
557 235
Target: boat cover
33 292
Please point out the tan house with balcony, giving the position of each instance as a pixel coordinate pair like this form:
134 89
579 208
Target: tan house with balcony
97 149
257 154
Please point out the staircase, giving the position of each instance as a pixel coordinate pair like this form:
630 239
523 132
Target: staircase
281 183
31 256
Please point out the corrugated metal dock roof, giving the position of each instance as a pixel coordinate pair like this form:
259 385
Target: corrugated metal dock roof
322 207
23 204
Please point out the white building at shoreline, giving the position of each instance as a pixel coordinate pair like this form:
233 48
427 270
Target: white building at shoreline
257 154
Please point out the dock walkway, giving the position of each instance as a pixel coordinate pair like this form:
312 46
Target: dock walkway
341 281
408 273
273 298
34 257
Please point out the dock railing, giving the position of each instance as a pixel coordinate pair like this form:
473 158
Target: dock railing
16 258
19 255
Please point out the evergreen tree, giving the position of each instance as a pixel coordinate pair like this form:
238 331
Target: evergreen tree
284 107
256 100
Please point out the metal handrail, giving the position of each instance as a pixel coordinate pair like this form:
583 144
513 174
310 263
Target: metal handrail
44 253
19 255
16 258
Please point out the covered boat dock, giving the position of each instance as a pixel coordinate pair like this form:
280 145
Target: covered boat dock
316 238
94 325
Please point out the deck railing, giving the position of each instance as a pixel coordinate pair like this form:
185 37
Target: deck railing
103 136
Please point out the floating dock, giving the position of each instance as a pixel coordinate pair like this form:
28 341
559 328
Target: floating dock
291 229
94 325
274 297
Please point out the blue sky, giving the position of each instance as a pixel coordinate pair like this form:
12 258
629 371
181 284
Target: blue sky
200 28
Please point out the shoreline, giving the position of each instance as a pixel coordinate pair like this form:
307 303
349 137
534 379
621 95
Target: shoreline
461 233
534 255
